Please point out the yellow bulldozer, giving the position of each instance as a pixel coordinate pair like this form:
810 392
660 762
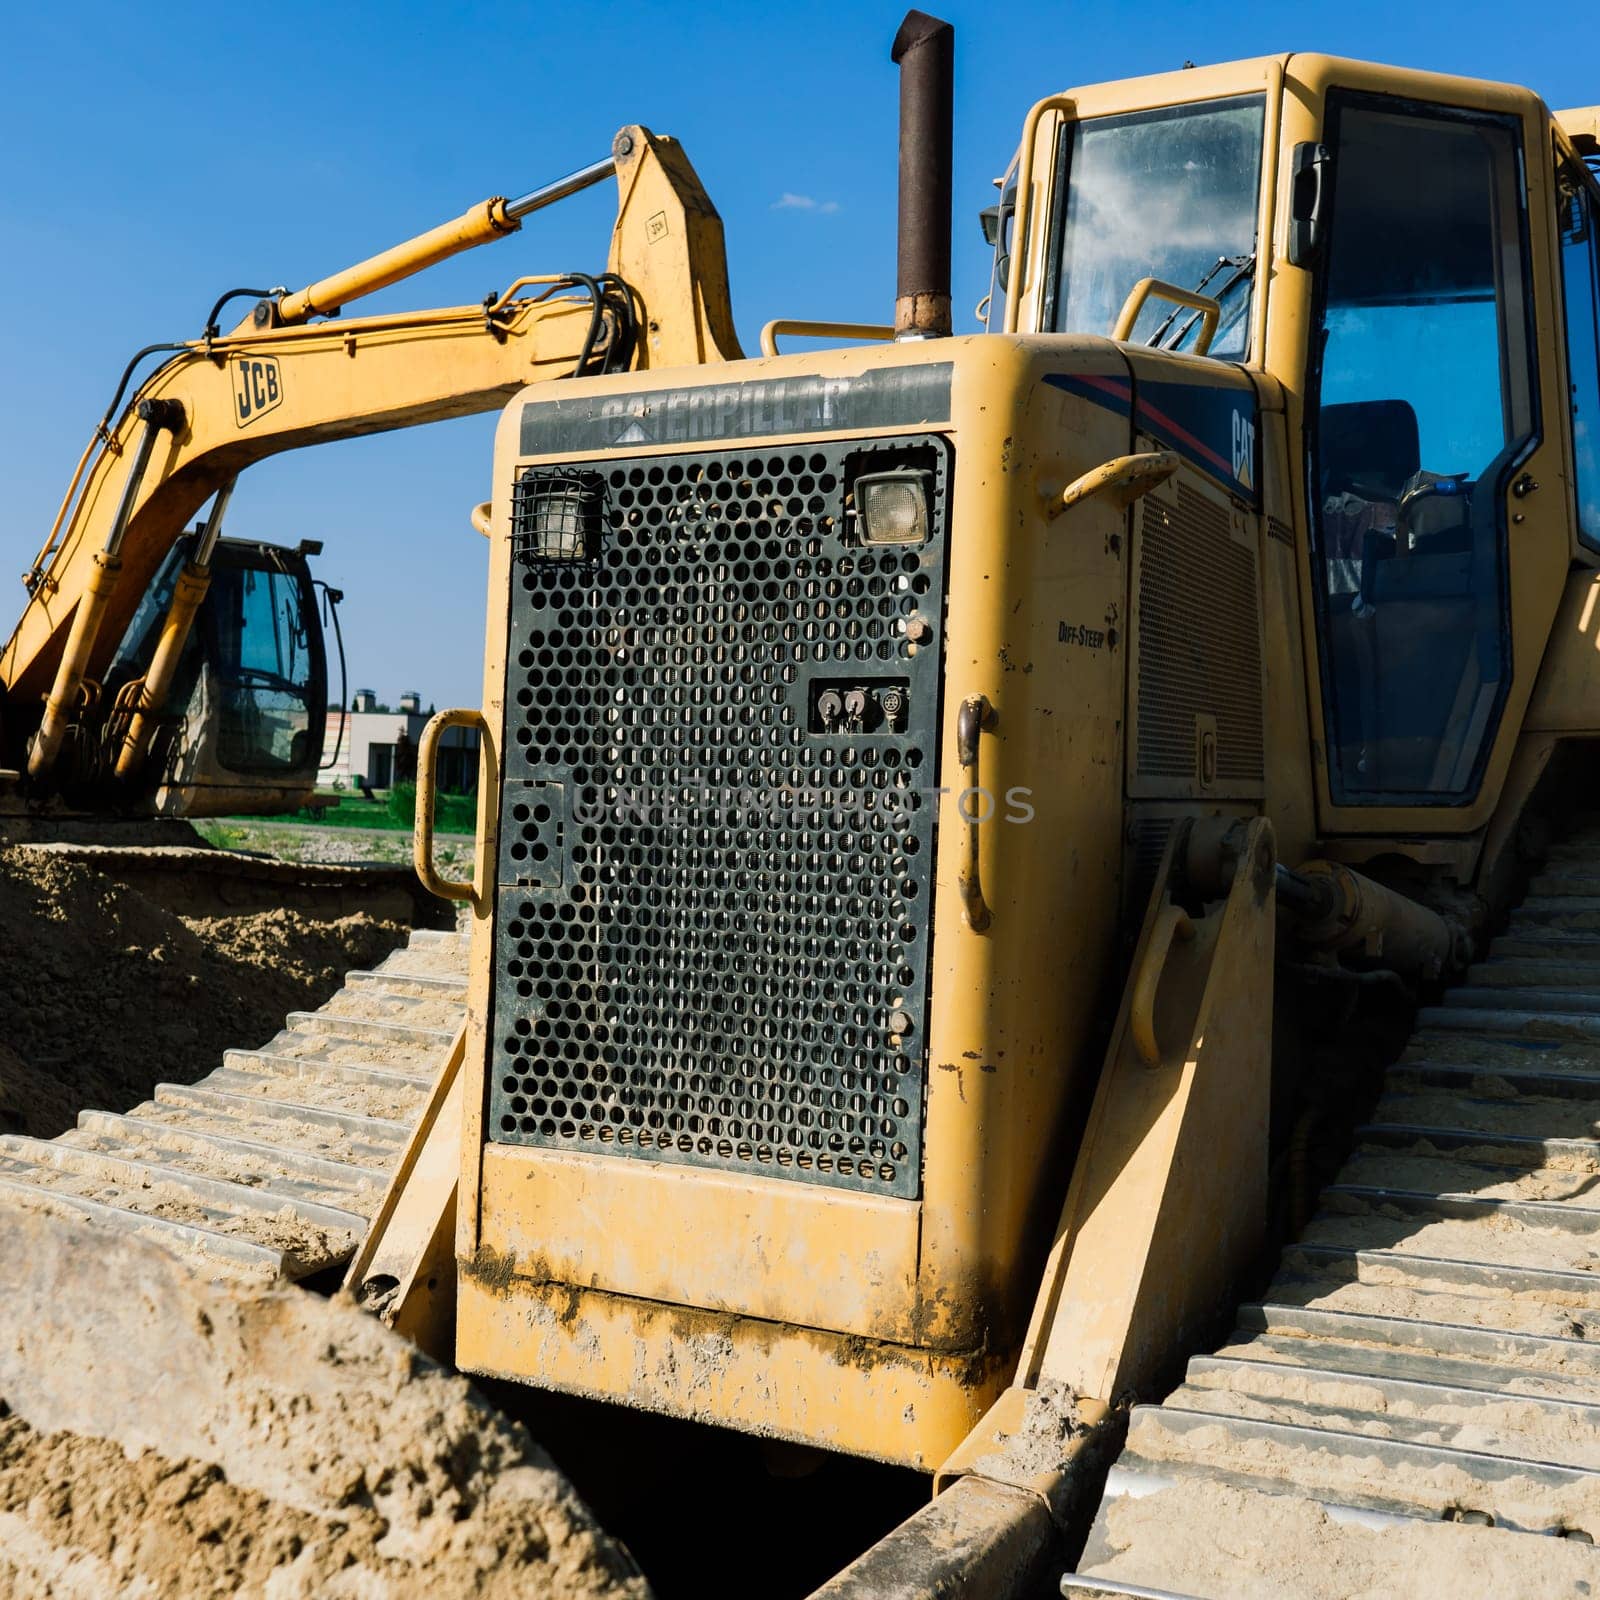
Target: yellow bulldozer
1003 858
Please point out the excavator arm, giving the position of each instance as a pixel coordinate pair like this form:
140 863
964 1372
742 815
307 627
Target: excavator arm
280 382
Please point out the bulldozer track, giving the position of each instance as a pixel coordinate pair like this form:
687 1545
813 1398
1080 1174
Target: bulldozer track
273 1164
1430 1347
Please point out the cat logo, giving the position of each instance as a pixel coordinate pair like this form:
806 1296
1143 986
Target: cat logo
257 388
1244 450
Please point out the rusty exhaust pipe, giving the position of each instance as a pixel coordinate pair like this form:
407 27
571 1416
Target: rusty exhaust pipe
924 50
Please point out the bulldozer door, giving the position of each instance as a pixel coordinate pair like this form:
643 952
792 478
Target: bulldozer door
1421 419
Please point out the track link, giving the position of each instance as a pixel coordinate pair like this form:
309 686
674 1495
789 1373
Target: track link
1429 1351
274 1163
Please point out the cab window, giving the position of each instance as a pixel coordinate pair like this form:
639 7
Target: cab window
1171 194
269 670
1420 406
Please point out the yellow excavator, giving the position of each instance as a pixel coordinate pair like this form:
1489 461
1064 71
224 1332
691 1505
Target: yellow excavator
987 841
163 671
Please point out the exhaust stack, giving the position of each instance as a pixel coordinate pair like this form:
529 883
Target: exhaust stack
924 50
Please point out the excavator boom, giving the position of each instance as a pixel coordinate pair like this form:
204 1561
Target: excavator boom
281 382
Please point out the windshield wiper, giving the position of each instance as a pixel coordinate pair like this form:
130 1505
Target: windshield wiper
1242 266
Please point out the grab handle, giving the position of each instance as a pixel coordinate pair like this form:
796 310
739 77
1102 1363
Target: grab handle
1121 480
975 715
1155 288
422 832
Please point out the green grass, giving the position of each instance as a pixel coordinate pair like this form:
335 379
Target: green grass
452 813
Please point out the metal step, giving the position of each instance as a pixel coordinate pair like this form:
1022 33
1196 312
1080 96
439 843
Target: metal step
1486 1277
368 1028
1396 1476
1438 1303
398 982
233 1121
1399 1408
1428 1169
1359 1357
1569 1215
188 1237
222 1091
1543 1075
428 962
270 1062
1551 970
1490 1019
1486 1052
1507 1148
1538 1355
1536 1001
1576 912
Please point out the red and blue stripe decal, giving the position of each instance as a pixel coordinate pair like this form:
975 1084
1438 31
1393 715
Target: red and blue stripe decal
1214 428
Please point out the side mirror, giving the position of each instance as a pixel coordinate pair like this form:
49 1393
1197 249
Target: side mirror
989 221
1308 192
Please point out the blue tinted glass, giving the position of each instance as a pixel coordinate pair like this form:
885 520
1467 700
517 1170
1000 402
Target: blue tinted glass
1580 265
1422 404
266 670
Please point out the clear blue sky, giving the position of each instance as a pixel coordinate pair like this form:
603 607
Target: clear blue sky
150 157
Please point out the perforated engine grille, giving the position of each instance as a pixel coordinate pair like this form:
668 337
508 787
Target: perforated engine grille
717 824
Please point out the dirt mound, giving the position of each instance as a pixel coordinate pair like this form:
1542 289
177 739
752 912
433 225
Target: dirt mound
166 1435
104 993
175 1437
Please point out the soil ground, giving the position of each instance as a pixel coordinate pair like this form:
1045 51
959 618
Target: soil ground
104 993
169 1438
162 1435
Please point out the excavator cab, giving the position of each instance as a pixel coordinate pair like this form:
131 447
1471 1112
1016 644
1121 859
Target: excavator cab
241 727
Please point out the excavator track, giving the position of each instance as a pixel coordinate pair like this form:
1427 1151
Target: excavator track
273 1164
1429 1350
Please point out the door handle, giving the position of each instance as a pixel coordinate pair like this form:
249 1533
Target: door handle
1525 485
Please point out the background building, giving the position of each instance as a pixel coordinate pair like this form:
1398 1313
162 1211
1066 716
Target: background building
380 745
